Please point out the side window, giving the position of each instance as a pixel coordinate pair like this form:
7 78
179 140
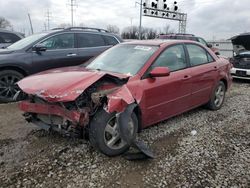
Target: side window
62 41
109 40
210 58
202 41
197 55
8 38
173 58
89 40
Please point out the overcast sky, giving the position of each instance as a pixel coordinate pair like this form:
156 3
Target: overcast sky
219 19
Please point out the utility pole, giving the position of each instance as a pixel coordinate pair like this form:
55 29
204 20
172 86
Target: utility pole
72 5
31 27
45 26
48 16
140 20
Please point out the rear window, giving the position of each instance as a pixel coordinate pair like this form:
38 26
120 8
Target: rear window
109 40
89 40
8 38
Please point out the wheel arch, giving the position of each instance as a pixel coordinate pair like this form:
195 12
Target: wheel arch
138 114
14 68
225 82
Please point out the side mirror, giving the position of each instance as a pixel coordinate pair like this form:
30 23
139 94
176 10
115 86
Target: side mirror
217 53
39 48
160 72
209 45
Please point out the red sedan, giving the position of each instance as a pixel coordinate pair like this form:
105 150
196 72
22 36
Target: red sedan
134 84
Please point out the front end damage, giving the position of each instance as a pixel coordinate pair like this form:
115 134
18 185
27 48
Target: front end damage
63 108
72 118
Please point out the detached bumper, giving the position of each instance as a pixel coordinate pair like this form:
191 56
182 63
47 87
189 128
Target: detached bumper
240 73
46 109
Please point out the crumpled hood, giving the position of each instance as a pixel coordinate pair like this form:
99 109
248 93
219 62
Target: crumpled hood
61 85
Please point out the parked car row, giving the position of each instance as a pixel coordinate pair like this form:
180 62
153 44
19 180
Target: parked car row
47 50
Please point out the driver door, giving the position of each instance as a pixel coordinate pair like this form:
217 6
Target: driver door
167 96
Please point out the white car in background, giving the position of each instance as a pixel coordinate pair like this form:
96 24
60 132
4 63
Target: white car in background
241 58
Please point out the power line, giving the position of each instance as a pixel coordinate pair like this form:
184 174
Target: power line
72 5
48 17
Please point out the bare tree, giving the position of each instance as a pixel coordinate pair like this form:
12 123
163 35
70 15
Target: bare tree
113 29
64 25
82 24
131 32
166 30
4 23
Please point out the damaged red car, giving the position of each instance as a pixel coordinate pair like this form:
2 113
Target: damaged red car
160 79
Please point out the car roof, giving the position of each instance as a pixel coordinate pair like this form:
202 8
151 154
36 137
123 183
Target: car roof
157 42
81 29
177 34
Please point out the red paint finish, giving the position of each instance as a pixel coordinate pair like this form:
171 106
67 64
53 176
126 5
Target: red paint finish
158 98
119 99
73 116
61 85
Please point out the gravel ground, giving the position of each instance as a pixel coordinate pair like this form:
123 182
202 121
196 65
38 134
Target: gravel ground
217 156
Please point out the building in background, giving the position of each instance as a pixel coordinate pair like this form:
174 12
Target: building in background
225 47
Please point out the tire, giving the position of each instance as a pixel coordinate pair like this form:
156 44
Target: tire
100 136
8 86
217 98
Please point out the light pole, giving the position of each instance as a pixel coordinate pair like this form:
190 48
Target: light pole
140 20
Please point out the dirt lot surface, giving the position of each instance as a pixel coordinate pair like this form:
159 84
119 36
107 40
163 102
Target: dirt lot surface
217 156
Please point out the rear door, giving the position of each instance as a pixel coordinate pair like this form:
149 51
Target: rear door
60 52
164 97
204 73
90 45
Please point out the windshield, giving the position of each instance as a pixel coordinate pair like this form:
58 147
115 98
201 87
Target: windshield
125 59
26 41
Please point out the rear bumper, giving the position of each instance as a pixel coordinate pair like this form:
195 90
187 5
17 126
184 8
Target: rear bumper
240 73
36 108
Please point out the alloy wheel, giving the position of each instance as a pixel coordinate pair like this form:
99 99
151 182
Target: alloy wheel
219 96
112 136
8 86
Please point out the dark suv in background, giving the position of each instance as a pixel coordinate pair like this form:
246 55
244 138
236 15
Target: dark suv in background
51 49
180 36
9 37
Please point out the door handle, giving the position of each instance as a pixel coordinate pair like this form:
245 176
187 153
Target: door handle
71 55
186 77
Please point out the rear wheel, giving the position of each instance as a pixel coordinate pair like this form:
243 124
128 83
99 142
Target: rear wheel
104 134
218 96
8 86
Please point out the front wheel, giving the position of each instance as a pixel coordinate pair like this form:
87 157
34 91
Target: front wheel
8 86
218 96
104 133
